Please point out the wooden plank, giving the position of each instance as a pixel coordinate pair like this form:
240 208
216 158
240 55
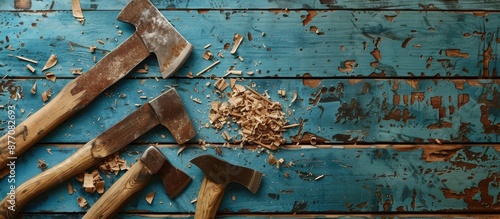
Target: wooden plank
354 180
333 110
261 216
330 44
308 4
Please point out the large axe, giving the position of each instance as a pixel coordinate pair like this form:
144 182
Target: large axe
166 109
154 34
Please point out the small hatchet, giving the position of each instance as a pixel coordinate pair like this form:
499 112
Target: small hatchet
135 179
154 34
166 109
218 174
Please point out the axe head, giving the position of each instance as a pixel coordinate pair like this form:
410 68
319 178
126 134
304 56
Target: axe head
158 35
171 113
222 172
174 180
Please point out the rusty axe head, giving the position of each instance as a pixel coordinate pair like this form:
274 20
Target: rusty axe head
159 36
174 180
222 172
171 113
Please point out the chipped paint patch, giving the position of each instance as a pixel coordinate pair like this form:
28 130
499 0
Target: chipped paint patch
16 92
310 82
433 153
456 53
309 17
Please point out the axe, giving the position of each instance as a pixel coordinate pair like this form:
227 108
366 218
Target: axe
154 34
135 179
218 174
166 109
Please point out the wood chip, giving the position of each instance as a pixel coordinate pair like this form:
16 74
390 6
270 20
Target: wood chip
49 150
208 68
206 46
150 196
250 72
51 62
207 55
50 76
180 150
76 71
271 159
194 201
99 185
33 88
236 42
42 165
30 68
82 202
92 49
70 189
77 11
45 96
71 46
26 59
221 84
88 180
319 177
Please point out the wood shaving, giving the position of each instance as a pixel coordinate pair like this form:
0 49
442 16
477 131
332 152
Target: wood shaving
260 120
207 55
221 84
42 165
180 150
206 46
76 71
99 185
150 196
45 96
194 201
26 59
82 202
49 151
319 177
50 76
240 58
208 68
113 164
70 189
51 62
92 49
77 11
236 42
33 88
30 68
250 72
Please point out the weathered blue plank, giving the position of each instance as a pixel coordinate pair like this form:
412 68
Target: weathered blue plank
271 4
396 181
329 44
339 111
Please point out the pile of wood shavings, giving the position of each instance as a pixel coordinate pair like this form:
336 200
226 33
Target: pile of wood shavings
262 121
93 181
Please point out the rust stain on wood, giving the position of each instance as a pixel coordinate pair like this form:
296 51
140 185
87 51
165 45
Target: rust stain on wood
456 53
22 4
309 17
310 82
440 125
16 92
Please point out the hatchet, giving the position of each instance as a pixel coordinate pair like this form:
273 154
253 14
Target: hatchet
154 34
135 179
218 174
166 109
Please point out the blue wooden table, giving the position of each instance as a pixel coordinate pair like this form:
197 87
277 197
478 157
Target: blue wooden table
402 98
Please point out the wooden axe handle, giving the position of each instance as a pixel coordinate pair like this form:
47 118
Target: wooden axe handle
74 96
134 180
77 163
209 199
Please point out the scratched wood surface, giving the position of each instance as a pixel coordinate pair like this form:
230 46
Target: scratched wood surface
401 96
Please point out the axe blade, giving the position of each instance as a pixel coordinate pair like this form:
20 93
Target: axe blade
174 180
222 172
158 35
172 114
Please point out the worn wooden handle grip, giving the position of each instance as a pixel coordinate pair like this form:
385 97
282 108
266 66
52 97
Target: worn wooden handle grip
134 180
209 198
77 163
73 97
